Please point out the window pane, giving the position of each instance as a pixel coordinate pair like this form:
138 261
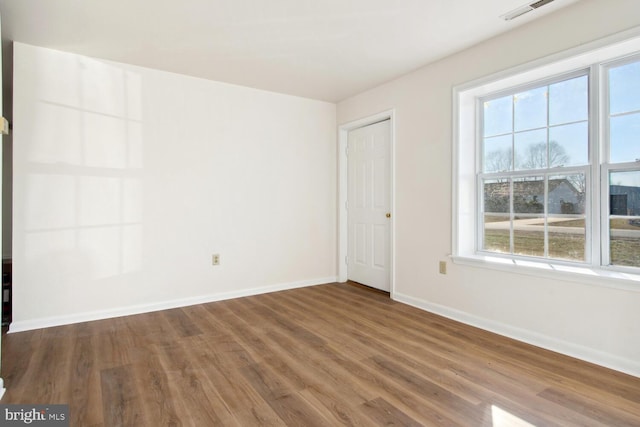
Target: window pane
624 242
566 221
528 223
531 149
528 235
625 138
498 116
566 194
569 145
624 193
528 195
530 109
624 202
496 233
497 224
624 88
569 101
497 196
567 239
497 154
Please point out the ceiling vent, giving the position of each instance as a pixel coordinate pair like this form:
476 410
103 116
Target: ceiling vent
524 9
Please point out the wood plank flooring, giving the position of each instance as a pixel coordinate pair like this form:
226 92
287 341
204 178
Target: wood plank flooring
327 355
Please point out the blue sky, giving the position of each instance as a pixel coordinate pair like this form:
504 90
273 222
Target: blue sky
563 107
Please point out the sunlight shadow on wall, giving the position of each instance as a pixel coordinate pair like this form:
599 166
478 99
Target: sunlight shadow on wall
83 187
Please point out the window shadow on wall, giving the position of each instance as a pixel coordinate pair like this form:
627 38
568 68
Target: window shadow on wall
82 188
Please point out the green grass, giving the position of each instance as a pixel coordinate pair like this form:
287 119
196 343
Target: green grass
497 241
625 251
531 243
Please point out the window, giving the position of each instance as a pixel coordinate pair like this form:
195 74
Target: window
548 163
622 170
534 170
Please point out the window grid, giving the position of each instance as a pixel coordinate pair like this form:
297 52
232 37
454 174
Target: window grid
546 215
610 167
602 159
544 172
607 222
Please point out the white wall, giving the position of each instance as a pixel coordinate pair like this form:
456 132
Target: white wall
593 322
127 180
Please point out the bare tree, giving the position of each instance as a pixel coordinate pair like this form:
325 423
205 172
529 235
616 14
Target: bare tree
498 161
536 156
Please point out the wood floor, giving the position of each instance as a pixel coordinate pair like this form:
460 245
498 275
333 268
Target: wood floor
321 356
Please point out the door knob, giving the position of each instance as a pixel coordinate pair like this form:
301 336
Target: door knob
388 215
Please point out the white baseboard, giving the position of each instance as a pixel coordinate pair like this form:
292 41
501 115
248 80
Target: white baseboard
631 367
47 322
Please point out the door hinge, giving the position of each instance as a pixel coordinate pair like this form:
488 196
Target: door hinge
346 205
346 260
346 150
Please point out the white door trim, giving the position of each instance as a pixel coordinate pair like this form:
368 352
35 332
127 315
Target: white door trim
343 134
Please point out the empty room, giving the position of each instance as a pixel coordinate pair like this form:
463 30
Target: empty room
294 212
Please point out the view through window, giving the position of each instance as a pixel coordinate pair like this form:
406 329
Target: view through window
539 155
623 120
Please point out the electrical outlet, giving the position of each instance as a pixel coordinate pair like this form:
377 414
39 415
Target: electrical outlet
215 259
443 267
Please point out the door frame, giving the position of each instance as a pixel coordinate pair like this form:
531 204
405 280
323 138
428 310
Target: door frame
343 216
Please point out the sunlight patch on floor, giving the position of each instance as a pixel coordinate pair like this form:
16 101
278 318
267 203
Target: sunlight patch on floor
502 418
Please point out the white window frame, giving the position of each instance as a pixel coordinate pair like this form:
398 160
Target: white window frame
607 167
596 57
545 173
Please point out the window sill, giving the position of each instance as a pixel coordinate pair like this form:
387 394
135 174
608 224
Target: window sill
585 275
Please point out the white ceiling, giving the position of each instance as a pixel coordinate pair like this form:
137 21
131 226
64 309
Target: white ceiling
322 49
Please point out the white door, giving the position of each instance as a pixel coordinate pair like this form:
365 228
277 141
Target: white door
369 205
